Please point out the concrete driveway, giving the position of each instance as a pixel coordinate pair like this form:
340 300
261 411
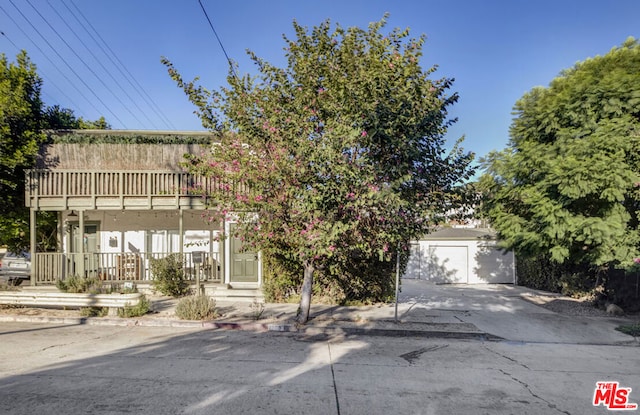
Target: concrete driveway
502 310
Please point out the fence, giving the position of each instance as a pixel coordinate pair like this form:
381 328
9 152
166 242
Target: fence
116 267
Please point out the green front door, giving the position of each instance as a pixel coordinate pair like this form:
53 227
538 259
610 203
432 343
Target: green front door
244 264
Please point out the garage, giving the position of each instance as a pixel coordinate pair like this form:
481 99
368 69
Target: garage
460 256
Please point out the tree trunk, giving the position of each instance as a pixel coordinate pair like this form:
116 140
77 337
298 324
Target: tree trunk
305 295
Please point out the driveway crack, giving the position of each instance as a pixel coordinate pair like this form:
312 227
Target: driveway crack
526 386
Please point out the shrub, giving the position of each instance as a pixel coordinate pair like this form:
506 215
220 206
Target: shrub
138 310
168 276
8 286
94 311
345 279
196 307
632 329
76 284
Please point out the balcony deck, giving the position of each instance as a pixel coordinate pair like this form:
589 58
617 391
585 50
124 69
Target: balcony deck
108 190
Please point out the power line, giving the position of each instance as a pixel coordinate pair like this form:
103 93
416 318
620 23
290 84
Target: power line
86 65
102 65
219 41
44 76
138 88
50 61
66 63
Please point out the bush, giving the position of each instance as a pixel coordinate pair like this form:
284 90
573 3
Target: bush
76 284
138 310
8 286
168 276
196 307
345 280
632 329
282 279
94 311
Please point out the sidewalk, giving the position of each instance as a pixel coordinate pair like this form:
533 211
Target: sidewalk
324 319
489 312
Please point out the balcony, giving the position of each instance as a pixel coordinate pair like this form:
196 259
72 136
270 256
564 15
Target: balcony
108 190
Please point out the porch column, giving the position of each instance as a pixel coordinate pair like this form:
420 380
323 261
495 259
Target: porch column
32 244
81 243
222 244
181 230
59 232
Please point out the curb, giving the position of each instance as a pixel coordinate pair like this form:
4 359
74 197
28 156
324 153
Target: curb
253 327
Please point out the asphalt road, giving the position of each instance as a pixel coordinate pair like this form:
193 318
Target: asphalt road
48 369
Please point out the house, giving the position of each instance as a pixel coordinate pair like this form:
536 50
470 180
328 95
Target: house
122 199
462 256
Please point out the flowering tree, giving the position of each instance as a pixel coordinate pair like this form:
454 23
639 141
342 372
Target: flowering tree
339 153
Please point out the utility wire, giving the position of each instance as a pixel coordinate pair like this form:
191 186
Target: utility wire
66 63
64 75
102 65
219 41
42 74
89 68
139 89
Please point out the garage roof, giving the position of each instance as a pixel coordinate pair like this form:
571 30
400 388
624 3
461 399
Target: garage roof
461 234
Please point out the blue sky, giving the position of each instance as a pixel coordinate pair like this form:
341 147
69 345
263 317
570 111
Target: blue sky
495 50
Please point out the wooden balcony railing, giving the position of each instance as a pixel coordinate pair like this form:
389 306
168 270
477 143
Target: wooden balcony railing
73 189
119 267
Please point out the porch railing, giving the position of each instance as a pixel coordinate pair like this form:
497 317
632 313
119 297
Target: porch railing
120 267
64 186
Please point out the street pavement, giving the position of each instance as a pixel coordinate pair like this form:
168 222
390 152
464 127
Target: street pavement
451 350
83 369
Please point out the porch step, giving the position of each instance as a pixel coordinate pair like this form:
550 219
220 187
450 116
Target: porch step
235 294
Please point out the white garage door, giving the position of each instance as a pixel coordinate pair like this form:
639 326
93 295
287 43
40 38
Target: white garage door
492 265
447 264
414 265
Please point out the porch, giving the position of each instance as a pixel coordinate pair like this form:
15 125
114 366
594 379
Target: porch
111 224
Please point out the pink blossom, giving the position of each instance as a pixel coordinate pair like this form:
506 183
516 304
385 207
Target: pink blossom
332 248
636 260
320 90
385 248
363 134
351 195
259 198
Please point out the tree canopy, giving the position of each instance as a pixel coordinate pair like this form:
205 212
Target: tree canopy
339 155
20 137
23 118
58 118
568 184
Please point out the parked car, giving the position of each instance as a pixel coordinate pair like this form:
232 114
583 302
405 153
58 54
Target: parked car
14 268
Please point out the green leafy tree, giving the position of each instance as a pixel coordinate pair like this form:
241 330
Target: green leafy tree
58 118
336 158
567 186
22 121
20 137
